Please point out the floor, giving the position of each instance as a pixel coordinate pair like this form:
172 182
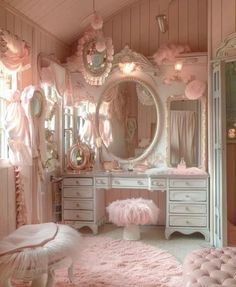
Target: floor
178 245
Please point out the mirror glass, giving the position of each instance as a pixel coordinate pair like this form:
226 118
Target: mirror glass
185 132
95 61
36 104
77 156
80 156
128 119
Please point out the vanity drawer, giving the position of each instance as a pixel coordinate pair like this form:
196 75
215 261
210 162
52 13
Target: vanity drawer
82 215
130 183
195 183
77 181
85 192
195 196
158 183
187 208
78 204
200 221
101 181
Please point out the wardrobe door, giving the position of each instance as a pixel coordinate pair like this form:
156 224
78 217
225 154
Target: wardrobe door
218 156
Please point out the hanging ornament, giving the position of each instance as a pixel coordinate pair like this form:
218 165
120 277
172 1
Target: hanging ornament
100 42
96 21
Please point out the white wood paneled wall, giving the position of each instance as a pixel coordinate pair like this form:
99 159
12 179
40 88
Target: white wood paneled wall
38 39
222 22
7 201
136 25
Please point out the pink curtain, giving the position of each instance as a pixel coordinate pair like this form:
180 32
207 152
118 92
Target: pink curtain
17 126
14 53
183 137
54 74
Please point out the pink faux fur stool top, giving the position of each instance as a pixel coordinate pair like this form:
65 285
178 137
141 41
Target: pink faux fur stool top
213 267
34 250
131 213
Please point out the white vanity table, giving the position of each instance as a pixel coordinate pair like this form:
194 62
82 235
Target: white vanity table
187 201
138 111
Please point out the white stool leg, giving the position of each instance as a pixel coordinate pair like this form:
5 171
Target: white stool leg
51 278
70 273
131 232
39 281
7 283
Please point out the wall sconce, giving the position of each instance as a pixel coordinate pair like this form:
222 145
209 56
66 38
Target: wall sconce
162 22
178 66
127 67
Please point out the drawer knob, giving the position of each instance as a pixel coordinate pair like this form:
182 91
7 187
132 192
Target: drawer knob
140 182
77 182
77 204
116 182
187 222
77 193
77 215
187 208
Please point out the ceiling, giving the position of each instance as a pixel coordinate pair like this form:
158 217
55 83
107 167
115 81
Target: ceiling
66 19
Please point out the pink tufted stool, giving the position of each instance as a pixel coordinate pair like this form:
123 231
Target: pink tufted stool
131 213
210 267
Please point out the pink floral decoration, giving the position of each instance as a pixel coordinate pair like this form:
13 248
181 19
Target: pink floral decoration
169 52
195 89
133 211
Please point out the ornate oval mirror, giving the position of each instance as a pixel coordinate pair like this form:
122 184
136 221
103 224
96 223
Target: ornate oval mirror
95 60
79 157
128 119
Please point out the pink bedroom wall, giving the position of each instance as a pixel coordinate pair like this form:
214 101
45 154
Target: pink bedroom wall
136 25
222 22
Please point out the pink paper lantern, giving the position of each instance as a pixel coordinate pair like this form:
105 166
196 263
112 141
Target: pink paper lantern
195 89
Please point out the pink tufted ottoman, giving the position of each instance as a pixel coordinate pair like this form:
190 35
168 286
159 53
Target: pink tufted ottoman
33 252
131 213
210 267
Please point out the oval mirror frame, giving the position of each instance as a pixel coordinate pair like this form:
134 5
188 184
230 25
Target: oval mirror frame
96 78
158 130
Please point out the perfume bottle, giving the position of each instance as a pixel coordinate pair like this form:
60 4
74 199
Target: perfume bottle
182 164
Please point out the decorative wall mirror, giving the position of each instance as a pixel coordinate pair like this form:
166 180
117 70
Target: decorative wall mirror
95 59
80 157
128 119
186 131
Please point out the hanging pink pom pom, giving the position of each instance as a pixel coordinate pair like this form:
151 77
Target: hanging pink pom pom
195 89
101 45
96 21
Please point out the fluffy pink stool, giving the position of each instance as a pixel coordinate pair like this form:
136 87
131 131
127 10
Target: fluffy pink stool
33 252
131 213
212 267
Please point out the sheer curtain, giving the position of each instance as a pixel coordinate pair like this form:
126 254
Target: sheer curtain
183 137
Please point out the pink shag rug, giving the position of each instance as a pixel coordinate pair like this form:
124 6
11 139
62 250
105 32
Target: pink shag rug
121 263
